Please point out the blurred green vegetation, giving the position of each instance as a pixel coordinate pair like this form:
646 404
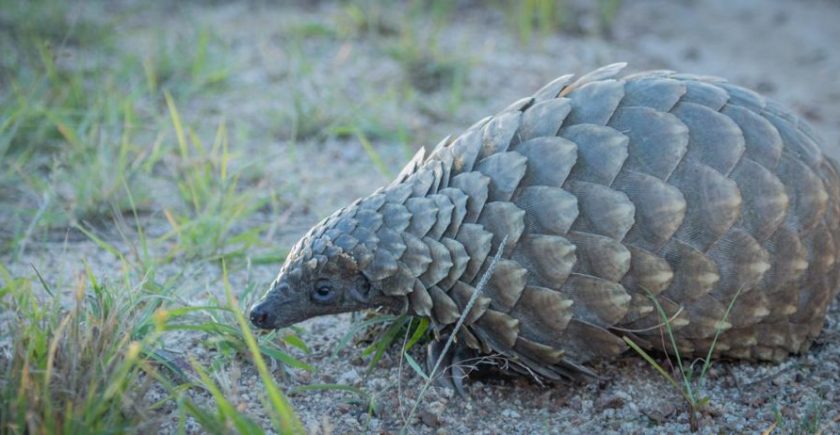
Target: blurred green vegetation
90 136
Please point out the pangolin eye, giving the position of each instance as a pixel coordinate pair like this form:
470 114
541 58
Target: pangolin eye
323 292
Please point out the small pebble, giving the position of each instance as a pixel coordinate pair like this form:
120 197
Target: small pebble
350 377
611 401
429 418
509 413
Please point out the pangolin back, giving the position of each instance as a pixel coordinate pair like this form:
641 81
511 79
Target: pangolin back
612 191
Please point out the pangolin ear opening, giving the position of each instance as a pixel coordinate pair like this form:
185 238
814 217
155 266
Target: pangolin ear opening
348 269
360 289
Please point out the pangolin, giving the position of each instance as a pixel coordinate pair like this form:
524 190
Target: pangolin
621 201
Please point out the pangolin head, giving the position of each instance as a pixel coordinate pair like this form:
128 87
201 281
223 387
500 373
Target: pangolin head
326 273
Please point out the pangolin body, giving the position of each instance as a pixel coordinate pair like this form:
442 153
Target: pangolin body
610 192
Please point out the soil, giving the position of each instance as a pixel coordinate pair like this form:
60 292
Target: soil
786 50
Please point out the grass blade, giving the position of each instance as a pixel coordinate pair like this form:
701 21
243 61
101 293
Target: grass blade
414 365
288 423
656 366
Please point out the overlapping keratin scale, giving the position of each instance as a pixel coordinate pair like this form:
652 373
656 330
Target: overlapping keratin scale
611 191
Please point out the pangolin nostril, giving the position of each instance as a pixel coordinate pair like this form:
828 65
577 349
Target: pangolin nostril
259 317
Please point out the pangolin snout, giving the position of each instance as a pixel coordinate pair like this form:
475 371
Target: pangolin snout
262 316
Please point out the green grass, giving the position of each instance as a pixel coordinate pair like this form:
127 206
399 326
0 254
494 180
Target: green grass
49 20
213 200
95 145
77 149
319 108
282 415
366 19
81 358
537 17
311 116
813 421
226 417
194 62
533 20
85 368
686 382
426 66
88 182
70 142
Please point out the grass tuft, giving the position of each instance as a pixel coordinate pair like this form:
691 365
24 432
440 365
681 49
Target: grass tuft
368 18
427 68
83 369
685 382
193 63
69 144
282 415
536 19
213 200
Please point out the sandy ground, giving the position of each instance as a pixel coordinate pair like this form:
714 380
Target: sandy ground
787 50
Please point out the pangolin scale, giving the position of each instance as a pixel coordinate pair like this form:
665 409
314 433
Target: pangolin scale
610 192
